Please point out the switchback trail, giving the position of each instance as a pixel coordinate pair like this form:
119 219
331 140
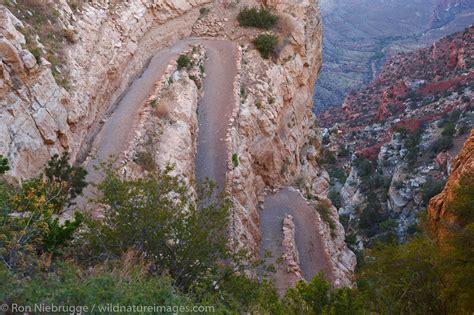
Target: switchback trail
313 258
215 109
214 112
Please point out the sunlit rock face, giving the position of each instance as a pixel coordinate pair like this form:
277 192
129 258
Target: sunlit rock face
107 46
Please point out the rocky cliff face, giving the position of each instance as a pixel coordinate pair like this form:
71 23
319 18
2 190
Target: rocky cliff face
274 119
272 138
462 167
361 34
403 131
102 46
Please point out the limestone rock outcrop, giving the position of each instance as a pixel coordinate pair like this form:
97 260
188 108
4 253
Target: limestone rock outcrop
438 209
272 132
110 44
290 253
274 135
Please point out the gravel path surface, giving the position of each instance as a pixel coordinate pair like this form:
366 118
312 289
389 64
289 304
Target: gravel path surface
215 109
313 258
213 113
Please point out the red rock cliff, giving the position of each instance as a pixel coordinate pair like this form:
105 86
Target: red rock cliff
463 166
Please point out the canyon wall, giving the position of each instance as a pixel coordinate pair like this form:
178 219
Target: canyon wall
108 47
272 139
440 216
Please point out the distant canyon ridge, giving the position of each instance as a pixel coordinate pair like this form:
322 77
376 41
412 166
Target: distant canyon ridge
359 35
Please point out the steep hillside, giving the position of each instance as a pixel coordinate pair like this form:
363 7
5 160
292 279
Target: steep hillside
361 35
403 131
152 83
65 66
440 210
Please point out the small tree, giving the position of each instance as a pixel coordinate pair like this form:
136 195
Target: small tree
4 167
29 217
158 216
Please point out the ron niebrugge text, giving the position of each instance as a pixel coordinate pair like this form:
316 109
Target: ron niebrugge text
110 308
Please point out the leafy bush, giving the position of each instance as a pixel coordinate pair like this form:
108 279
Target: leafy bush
29 218
254 17
184 61
327 157
69 285
337 173
146 160
235 160
364 167
157 215
343 151
442 144
4 167
371 216
317 297
449 129
204 11
265 43
324 211
412 140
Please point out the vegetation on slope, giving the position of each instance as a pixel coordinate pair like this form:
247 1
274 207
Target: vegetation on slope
159 244
45 33
257 17
266 43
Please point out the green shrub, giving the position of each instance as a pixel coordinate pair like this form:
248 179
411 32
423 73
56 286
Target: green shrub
29 223
364 167
449 129
159 217
184 61
337 173
4 167
265 43
443 144
324 211
327 157
204 11
261 18
235 160
146 159
371 215
69 285
318 297
343 151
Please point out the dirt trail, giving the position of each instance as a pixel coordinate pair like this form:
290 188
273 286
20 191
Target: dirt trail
115 135
215 109
214 112
313 258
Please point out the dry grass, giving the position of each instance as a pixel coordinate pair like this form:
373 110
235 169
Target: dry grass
43 20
